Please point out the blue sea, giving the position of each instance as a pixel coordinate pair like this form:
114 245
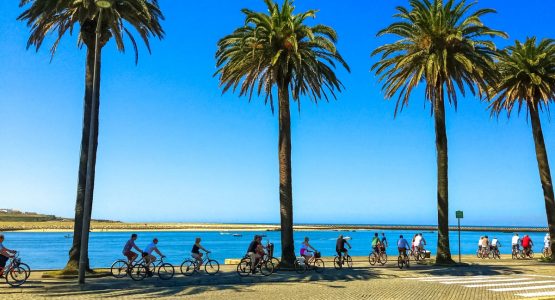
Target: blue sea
50 250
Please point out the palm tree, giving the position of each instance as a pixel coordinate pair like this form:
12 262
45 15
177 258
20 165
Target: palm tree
277 49
59 17
527 78
445 45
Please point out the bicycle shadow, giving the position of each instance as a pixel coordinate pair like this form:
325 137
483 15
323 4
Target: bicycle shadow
191 285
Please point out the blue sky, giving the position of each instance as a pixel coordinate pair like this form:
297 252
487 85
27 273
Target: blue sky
172 148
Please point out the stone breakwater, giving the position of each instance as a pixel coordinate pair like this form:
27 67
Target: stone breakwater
64 226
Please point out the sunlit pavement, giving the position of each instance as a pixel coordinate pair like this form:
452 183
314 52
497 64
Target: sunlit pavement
481 279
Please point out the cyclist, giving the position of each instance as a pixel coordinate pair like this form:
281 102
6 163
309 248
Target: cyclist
340 247
547 243
480 244
195 253
131 256
148 257
305 249
495 244
402 246
5 254
254 251
419 242
527 244
376 244
384 242
414 242
485 244
515 242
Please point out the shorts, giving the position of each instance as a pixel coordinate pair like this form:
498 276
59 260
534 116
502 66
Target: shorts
196 255
402 251
304 252
3 260
130 255
343 250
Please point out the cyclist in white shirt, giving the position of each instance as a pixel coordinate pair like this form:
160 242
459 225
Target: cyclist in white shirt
516 241
547 241
480 244
147 254
419 242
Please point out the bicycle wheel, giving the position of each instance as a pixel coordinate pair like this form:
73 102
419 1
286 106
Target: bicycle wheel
400 262
166 271
16 276
188 267
266 268
531 254
349 261
372 258
275 262
300 268
478 253
26 268
119 268
416 255
422 254
138 272
337 263
244 267
319 265
211 267
383 258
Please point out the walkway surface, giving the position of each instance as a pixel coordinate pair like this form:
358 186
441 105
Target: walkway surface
480 279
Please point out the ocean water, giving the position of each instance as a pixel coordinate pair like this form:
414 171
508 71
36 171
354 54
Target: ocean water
50 250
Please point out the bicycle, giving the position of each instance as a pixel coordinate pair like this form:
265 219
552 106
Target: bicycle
263 265
403 260
546 253
314 263
496 253
16 273
120 268
418 253
380 257
338 262
140 270
191 266
525 255
485 252
516 252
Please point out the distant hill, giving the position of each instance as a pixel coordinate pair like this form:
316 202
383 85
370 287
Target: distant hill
12 215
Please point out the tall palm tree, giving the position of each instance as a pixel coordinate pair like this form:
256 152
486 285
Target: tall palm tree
527 78
278 49
58 17
444 45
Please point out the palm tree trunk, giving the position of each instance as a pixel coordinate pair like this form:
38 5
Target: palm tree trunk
443 251
285 185
73 262
545 174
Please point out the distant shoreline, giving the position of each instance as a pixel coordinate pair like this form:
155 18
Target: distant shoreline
67 226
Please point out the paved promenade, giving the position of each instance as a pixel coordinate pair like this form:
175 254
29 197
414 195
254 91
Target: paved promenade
481 279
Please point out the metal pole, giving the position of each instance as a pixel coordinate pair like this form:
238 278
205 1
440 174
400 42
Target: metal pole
83 257
459 219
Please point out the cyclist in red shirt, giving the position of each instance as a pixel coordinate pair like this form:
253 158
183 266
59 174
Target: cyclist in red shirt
527 244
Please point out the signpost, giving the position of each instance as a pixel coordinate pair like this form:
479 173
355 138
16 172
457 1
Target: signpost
459 214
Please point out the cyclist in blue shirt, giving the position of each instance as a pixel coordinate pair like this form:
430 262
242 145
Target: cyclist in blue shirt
402 246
